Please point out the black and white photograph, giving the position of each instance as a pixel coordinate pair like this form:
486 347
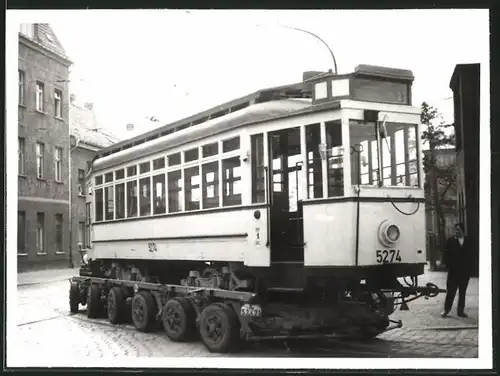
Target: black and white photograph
264 189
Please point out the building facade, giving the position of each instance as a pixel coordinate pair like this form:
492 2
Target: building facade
43 149
87 137
465 83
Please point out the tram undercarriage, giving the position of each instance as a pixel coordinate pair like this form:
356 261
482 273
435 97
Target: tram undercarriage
224 306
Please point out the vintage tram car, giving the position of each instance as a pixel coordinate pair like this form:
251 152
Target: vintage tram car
294 212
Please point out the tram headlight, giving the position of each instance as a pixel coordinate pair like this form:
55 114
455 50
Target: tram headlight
389 233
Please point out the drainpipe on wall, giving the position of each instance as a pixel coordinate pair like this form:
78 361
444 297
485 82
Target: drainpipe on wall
70 150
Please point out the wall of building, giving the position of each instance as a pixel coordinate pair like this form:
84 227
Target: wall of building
44 195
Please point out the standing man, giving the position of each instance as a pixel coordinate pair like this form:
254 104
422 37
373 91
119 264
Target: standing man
458 260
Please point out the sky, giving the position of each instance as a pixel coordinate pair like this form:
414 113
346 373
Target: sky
171 64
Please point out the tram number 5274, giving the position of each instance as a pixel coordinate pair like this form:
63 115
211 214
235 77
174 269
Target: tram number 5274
388 256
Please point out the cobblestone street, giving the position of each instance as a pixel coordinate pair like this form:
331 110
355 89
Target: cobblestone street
43 323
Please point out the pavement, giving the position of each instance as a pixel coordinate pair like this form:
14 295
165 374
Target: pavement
44 323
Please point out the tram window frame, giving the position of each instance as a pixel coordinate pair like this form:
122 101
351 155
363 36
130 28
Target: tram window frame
210 150
99 204
314 161
120 200
132 200
132 170
109 203
108 177
175 191
120 174
333 132
231 144
174 159
191 155
144 167
258 181
189 187
212 201
144 201
158 163
98 180
229 198
159 202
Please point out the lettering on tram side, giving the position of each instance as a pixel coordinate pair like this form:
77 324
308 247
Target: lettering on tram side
388 256
257 236
152 247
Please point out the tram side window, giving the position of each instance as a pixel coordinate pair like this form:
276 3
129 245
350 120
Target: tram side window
258 173
231 144
314 171
210 174
109 202
174 159
98 180
99 213
132 199
335 161
174 191
159 194
145 196
120 200
192 188
231 180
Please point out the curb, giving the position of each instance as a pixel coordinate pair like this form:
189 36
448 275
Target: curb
42 282
465 327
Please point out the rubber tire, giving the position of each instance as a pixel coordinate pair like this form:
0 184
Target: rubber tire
231 328
146 300
188 320
74 297
94 304
118 316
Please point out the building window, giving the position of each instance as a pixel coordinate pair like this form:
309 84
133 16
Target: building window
40 233
99 213
22 154
231 181
81 182
39 96
22 87
258 173
145 196
80 237
192 188
132 199
40 151
109 202
159 194
210 173
59 233
58 103
120 200
174 191
21 233
58 164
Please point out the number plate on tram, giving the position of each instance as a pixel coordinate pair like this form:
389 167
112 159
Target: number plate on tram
252 310
388 256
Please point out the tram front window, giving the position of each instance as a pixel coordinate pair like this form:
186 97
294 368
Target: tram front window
398 155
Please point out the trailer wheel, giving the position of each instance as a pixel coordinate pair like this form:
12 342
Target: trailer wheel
116 306
144 311
74 297
179 320
94 305
219 328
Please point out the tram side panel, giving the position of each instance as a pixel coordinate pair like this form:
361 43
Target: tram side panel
330 234
233 236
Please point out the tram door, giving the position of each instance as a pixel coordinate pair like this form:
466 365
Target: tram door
285 162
